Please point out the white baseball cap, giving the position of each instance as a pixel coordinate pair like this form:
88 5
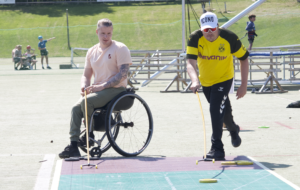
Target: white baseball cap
208 20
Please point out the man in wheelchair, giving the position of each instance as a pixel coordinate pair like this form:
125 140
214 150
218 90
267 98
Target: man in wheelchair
108 61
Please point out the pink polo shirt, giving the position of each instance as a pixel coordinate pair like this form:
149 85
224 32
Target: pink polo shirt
106 63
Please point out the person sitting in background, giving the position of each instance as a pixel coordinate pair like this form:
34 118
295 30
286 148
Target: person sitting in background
30 56
13 53
18 56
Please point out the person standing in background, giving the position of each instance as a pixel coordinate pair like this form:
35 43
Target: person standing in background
251 30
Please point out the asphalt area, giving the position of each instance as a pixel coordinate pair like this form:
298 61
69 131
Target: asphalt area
35 117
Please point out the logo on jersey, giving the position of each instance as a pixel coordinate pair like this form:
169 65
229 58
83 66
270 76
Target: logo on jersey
221 48
201 46
222 106
220 89
212 57
109 57
244 48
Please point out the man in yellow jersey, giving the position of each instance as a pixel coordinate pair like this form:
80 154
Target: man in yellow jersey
212 49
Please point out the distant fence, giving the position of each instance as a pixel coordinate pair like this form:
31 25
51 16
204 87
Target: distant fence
151 66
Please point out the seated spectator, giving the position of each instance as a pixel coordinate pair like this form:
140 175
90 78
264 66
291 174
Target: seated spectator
13 53
30 56
18 56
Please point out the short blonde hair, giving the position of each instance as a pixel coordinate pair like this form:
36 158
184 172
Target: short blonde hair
19 46
104 22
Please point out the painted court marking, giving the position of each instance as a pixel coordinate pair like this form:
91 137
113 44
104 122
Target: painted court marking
44 175
284 125
169 182
173 173
275 174
55 182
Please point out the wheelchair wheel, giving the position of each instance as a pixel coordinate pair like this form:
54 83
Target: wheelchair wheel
134 124
100 136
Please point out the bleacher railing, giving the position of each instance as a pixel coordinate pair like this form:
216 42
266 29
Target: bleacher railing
151 65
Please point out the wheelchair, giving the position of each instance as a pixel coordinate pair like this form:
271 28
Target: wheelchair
127 123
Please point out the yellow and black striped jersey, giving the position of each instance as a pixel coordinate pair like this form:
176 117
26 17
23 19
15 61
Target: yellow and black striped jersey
215 61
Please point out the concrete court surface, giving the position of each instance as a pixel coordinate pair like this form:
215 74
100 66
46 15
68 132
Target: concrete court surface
36 105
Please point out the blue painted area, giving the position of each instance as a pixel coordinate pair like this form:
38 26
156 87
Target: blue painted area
227 179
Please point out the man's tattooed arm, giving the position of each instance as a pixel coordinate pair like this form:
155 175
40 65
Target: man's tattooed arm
122 75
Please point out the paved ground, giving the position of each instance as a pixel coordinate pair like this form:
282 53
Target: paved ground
36 105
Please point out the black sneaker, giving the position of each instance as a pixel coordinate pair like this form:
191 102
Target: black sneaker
216 154
16 68
43 67
48 67
82 140
236 140
70 151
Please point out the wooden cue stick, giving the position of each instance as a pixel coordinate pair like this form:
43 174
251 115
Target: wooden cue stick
203 125
87 130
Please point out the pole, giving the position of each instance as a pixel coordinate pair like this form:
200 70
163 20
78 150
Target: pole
242 14
183 25
68 29
204 133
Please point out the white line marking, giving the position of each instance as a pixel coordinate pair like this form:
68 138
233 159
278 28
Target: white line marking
252 181
56 177
44 175
169 182
275 174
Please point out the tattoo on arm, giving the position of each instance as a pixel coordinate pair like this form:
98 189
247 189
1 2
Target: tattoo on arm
122 75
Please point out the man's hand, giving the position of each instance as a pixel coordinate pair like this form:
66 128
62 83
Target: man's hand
192 71
195 86
92 89
82 91
241 91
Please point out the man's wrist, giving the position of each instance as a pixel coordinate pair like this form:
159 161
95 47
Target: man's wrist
244 84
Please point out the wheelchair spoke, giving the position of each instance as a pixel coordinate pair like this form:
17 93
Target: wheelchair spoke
135 127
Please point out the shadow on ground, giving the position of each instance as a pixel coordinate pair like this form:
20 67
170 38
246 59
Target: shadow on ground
273 166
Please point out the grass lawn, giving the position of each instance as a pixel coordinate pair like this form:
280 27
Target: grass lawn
141 26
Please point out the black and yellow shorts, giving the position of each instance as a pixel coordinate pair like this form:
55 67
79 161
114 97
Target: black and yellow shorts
44 52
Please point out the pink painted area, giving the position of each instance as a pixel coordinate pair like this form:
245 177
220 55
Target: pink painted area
275 156
284 125
150 164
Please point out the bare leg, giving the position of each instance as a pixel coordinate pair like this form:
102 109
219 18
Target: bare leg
18 65
48 67
21 63
250 47
42 59
33 63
